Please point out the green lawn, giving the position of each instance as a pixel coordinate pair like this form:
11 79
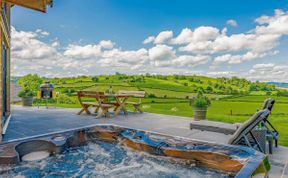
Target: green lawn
279 99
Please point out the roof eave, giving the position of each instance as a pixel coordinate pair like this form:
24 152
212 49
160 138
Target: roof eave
38 5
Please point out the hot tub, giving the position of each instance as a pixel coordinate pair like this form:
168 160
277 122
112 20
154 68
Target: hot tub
110 151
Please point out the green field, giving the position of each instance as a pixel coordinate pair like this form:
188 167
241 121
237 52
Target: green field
233 100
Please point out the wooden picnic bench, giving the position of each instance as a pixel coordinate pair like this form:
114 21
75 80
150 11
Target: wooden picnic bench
86 104
136 94
99 103
102 102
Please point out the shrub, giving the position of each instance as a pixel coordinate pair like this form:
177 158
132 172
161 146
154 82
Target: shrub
30 83
95 79
25 93
64 99
201 101
151 95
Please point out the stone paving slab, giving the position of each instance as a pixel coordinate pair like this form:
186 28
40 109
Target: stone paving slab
29 122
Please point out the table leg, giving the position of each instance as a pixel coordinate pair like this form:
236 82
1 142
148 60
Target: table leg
84 108
123 107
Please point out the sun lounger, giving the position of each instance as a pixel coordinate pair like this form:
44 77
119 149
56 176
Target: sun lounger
271 134
243 135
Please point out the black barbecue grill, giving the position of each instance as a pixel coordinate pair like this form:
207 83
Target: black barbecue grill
46 93
46 90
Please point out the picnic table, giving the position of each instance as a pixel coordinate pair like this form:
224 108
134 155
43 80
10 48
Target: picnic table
120 102
102 103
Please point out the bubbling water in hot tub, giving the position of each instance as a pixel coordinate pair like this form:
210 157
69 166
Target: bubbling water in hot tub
100 159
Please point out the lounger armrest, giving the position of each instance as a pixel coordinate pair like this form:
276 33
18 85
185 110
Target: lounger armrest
211 126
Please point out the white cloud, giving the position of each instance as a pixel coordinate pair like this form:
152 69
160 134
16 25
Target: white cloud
232 23
150 39
268 72
184 37
163 37
276 24
267 66
25 45
236 59
262 71
190 61
87 51
200 34
120 58
205 33
161 53
41 32
106 44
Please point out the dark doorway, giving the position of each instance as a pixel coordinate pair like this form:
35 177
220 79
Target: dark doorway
4 84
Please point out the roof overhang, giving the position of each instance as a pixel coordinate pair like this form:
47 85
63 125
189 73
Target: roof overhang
39 5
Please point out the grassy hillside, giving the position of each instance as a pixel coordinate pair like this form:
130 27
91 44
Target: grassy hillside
166 86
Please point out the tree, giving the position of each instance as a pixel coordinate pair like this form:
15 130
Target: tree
30 82
95 79
209 89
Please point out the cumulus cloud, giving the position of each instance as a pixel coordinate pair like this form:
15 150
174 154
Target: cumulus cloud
272 72
149 39
120 58
88 51
163 37
237 59
190 61
42 32
267 66
232 23
200 34
184 37
276 24
262 71
255 44
30 54
162 52
25 45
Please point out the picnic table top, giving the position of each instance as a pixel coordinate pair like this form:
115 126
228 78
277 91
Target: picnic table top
117 95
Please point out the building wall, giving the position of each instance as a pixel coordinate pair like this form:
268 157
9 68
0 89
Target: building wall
5 40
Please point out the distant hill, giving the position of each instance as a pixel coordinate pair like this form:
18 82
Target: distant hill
279 84
163 85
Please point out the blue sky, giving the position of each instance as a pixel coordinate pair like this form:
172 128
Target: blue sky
72 31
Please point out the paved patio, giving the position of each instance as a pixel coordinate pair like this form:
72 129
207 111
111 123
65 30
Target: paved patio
32 122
